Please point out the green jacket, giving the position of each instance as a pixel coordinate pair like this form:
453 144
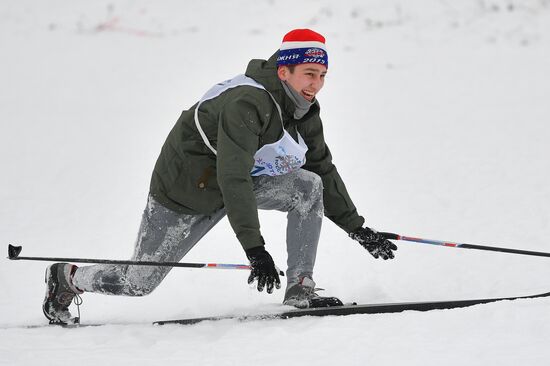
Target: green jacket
189 178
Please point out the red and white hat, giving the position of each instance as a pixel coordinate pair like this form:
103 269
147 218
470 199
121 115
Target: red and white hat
302 46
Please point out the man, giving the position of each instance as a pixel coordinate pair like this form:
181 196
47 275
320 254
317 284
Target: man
252 142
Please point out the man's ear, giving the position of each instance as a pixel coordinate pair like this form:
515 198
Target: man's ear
282 72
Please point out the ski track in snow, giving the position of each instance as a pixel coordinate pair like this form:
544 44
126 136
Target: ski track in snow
437 117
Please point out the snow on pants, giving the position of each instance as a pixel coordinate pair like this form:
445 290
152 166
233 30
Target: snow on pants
167 236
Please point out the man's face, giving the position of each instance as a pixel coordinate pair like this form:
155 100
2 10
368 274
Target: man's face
307 79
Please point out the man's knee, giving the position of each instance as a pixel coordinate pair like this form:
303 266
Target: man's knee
310 184
122 282
309 192
130 289
141 290
141 282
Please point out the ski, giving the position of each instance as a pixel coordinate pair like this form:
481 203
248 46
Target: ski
75 325
354 309
66 326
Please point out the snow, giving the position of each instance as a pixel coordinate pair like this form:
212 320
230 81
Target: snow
437 116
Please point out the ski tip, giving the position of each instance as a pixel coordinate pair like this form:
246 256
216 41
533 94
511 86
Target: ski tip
13 251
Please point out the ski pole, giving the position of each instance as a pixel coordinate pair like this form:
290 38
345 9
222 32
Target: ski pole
462 245
14 251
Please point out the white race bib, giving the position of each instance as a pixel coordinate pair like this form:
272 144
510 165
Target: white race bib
278 158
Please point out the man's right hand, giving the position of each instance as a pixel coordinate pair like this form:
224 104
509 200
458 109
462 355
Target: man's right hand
263 269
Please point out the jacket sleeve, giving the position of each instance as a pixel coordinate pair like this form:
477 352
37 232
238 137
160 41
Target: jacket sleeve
238 138
339 207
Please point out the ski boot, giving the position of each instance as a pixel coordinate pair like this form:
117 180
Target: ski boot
60 292
302 295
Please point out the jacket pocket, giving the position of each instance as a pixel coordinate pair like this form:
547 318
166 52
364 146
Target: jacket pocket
196 186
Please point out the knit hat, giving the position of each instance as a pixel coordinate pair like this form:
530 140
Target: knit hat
302 46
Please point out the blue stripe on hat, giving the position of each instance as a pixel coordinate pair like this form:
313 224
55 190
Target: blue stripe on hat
295 56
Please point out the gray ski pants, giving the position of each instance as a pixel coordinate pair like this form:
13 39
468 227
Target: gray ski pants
166 235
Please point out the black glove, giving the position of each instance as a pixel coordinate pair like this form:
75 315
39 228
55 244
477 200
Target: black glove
263 269
374 242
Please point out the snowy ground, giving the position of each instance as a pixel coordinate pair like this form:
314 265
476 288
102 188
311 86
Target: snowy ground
437 115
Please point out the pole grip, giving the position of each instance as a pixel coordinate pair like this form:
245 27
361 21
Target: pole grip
390 236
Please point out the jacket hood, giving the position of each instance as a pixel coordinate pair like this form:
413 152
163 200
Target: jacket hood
265 73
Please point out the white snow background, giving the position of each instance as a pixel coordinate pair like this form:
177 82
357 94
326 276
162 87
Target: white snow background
437 114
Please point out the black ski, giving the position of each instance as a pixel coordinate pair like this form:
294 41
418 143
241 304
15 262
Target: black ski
66 326
354 309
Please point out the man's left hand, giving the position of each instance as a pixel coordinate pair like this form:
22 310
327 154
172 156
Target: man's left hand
374 242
